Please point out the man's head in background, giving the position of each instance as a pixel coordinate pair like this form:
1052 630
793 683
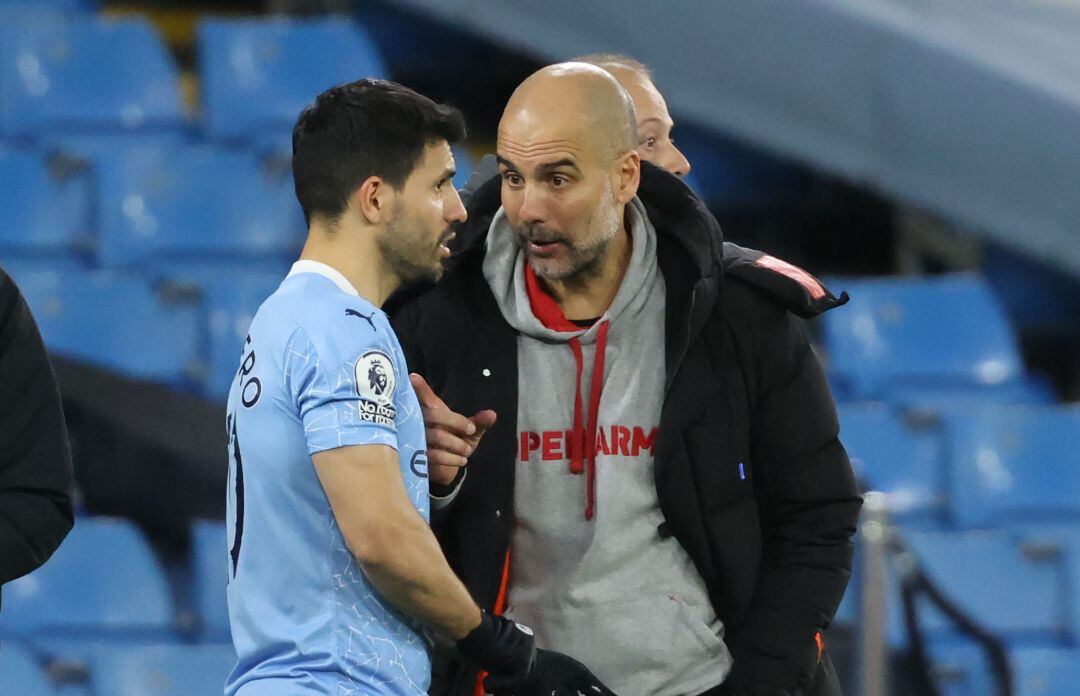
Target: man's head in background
566 152
373 157
654 123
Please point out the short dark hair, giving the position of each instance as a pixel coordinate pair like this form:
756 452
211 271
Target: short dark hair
362 129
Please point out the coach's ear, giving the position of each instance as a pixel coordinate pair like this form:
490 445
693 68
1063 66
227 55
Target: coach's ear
373 199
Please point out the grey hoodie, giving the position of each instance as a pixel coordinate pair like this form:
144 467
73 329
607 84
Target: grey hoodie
588 571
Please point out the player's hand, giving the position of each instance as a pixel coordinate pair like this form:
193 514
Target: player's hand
553 674
451 437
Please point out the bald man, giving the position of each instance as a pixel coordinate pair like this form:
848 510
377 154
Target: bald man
663 493
653 121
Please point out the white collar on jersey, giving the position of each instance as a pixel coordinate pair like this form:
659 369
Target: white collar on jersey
320 268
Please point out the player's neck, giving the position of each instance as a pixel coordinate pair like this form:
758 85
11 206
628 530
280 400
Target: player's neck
355 256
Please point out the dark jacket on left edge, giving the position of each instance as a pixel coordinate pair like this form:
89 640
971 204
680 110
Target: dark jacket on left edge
35 460
743 389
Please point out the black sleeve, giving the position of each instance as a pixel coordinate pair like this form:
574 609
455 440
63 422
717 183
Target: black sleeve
809 502
35 458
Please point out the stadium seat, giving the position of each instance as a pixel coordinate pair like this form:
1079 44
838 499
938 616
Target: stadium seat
161 670
963 670
68 7
103 582
211 578
20 673
1014 465
231 304
196 202
79 76
1045 671
960 668
903 462
117 322
465 165
1017 595
938 332
258 75
46 209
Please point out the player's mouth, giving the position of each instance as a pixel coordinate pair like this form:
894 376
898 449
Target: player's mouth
444 245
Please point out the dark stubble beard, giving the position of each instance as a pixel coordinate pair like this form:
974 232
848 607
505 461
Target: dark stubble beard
584 261
411 257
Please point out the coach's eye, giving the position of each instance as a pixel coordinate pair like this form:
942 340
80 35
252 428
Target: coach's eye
559 181
512 178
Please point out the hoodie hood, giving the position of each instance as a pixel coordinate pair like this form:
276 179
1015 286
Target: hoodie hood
532 312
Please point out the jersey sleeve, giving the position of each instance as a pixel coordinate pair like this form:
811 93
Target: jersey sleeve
342 401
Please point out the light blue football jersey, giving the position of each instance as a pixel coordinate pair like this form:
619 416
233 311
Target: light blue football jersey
321 369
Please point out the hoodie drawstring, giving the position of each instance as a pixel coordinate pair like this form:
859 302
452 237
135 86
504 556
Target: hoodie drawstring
584 433
583 443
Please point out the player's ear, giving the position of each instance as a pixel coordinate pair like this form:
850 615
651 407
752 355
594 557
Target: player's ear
373 199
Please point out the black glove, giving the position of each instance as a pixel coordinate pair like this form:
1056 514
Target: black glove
500 646
507 651
553 674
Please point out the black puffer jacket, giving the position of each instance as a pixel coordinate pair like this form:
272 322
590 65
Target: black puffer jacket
35 459
742 386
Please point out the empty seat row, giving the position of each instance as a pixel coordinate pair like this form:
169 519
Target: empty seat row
134 205
125 669
115 75
183 326
980 466
918 341
123 204
105 585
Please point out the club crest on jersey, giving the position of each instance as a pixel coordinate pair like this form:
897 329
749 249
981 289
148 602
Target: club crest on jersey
375 383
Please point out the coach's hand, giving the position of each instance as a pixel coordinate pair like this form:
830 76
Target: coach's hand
507 651
451 437
553 674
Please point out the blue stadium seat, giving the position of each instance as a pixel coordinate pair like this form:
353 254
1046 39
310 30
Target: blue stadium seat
46 209
258 75
960 668
940 331
1014 465
903 462
210 556
1045 671
1017 595
943 398
117 322
111 75
20 673
161 670
232 301
102 582
74 7
465 165
199 203
963 670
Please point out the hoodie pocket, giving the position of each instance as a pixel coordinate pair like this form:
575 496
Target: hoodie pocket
656 644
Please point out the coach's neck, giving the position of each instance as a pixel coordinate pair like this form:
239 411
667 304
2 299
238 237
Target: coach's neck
351 248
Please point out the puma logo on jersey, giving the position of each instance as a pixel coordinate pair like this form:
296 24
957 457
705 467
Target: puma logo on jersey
366 317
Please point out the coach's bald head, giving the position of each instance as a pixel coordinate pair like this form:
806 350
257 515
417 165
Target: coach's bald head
572 100
566 152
